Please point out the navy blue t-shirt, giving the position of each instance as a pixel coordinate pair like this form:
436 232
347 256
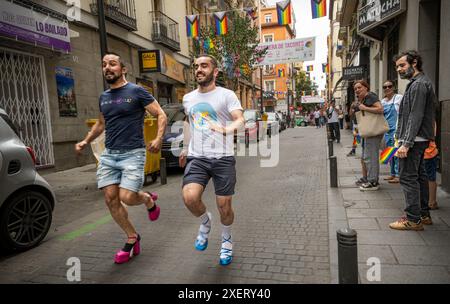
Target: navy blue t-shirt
124 111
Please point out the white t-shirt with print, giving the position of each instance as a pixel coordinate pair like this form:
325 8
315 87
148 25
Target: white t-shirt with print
215 106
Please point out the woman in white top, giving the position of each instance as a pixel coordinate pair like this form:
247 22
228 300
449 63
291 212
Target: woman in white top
391 104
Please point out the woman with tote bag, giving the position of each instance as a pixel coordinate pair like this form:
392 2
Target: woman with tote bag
372 126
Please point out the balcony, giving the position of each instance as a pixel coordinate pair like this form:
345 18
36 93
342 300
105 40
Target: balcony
120 12
342 34
165 31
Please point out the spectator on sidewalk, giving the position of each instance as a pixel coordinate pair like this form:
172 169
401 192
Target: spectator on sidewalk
431 161
340 117
415 130
369 102
120 172
391 104
317 118
333 122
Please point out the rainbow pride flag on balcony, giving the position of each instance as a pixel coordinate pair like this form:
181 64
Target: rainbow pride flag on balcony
284 12
281 73
221 23
310 68
387 155
192 26
318 8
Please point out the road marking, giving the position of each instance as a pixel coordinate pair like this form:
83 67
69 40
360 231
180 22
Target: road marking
86 228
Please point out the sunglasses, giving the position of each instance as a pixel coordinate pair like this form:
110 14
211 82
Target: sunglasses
388 87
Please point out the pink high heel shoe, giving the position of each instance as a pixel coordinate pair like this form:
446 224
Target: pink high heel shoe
128 251
153 215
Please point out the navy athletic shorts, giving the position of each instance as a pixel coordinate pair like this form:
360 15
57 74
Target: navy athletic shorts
222 171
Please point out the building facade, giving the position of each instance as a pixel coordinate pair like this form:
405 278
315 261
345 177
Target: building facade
372 32
50 62
276 78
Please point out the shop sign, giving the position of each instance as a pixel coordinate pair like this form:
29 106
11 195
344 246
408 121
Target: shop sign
377 12
173 69
355 72
149 61
23 24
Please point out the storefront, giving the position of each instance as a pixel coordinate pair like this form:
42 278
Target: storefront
166 72
23 75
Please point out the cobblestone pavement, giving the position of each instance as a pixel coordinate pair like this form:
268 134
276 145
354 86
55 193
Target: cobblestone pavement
280 233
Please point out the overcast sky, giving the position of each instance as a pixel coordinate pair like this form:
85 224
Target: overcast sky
307 27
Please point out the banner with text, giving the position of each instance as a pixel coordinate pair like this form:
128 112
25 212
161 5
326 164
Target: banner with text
23 24
288 51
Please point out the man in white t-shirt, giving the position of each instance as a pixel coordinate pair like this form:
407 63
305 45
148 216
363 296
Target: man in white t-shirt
333 122
213 113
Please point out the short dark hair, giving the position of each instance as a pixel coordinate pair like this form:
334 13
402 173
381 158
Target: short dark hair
411 55
213 59
122 64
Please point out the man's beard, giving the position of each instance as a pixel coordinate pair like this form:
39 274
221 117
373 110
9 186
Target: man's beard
408 74
114 79
206 81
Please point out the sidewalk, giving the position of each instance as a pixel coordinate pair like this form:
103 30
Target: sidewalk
405 256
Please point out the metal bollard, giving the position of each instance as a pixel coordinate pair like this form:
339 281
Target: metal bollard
330 148
347 256
333 172
163 171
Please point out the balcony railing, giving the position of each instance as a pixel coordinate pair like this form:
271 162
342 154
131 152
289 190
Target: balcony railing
120 12
165 30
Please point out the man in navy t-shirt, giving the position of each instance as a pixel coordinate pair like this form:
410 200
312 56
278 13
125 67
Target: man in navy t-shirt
120 172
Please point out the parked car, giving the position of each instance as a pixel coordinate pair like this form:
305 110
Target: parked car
252 125
301 121
173 137
273 123
26 199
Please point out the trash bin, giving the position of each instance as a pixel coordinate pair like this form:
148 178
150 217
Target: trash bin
152 161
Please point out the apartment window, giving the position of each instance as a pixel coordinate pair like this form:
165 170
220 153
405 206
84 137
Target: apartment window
269 69
269 85
268 18
268 38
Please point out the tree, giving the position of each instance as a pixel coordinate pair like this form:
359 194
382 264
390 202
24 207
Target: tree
304 86
237 50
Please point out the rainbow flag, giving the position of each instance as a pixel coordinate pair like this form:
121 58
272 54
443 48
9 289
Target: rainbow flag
387 155
310 68
326 68
284 12
319 8
221 22
281 73
192 26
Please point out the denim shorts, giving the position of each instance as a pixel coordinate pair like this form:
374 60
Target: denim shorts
122 167
431 167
